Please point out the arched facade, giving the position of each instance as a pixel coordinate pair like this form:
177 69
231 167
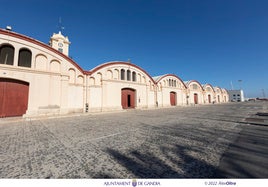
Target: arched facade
57 85
218 95
195 92
47 72
113 77
209 94
171 91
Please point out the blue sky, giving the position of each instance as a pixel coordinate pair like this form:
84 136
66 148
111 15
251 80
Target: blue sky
212 41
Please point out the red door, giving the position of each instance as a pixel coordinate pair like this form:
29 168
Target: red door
209 98
13 97
128 98
195 98
173 98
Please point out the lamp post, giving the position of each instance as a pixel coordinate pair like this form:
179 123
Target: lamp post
240 84
263 93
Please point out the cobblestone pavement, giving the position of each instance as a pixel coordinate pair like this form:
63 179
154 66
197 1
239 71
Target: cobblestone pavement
181 142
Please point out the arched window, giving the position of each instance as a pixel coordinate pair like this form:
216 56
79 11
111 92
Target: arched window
175 83
169 82
134 78
122 74
7 54
128 75
195 87
25 58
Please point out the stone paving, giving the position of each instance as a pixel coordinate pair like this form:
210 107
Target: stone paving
180 142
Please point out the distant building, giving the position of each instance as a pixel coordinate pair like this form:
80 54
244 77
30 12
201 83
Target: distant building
236 95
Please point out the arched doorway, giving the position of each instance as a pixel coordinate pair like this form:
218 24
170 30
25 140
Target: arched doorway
173 99
128 97
195 98
209 98
13 97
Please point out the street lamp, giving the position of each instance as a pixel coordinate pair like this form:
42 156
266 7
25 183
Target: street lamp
240 84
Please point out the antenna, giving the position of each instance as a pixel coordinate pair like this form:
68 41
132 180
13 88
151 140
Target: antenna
61 28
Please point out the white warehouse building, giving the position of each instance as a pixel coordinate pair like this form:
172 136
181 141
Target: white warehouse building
40 79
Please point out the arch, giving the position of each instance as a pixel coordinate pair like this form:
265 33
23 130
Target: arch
128 98
91 81
41 62
166 82
116 74
188 84
160 86
13 97
128 75
208 88
109 74
25 58
194 86
143 79
71 75
7 54
98 78
122 74
139 78
134 77
80 79
55 66
218 89
120 63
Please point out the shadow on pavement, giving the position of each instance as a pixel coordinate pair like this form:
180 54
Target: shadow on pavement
247 157
150 166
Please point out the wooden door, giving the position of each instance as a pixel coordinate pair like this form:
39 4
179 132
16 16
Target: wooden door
195 98
173 98
128 98
13 97
209 98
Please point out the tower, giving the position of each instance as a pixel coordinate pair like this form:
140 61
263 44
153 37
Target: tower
60 43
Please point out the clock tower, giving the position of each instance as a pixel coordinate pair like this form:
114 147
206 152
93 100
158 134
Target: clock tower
60 43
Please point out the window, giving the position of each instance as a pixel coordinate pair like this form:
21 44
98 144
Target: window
122 74
195 86
25 58
134 79
128 75
169 82
175 84
60 50
7 54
